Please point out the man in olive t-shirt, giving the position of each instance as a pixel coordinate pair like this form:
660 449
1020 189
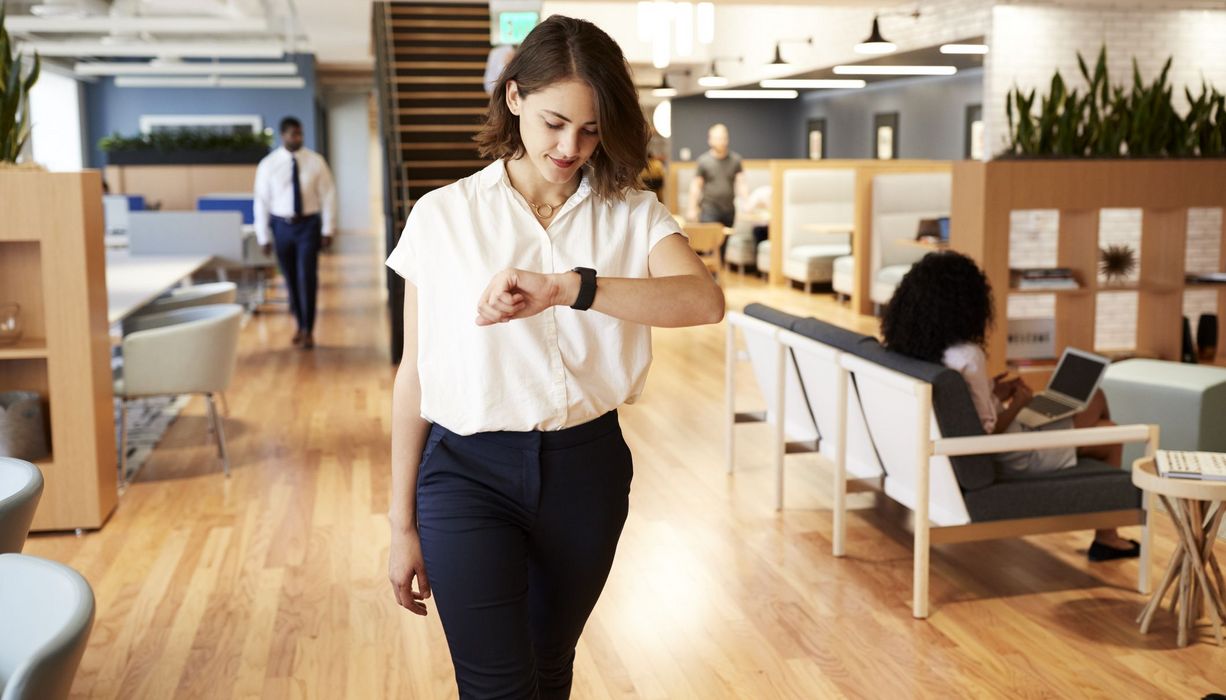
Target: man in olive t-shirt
718 181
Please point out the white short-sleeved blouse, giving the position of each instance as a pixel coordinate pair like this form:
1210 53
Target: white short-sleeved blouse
555 370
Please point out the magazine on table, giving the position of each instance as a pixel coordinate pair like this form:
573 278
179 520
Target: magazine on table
1191 465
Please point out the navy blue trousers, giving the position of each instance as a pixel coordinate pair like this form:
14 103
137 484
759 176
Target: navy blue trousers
297 246
518 531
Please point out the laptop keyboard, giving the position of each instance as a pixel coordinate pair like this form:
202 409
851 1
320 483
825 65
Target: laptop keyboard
1047 407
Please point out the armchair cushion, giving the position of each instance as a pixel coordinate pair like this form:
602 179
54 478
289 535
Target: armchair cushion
1089 487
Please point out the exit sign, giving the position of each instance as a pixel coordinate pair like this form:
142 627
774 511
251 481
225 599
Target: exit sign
514 26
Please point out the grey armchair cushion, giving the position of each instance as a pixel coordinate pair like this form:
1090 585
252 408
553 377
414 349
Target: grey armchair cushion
1089 487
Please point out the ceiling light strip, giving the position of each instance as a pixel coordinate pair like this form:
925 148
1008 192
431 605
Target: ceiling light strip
813 84
895 70
22 24
141 81
190 49
752 94
197 68
964 49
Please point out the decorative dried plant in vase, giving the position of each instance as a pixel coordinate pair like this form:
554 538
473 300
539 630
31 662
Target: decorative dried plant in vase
1116 262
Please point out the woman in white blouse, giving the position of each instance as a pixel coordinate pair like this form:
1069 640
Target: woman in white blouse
530 291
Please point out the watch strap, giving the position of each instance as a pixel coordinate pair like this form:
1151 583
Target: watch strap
587 289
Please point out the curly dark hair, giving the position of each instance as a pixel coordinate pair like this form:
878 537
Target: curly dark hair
944 300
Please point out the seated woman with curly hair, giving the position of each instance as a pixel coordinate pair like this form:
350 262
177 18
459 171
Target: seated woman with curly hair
941 312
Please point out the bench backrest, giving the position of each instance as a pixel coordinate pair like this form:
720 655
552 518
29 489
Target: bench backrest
762 345
900 200
810 197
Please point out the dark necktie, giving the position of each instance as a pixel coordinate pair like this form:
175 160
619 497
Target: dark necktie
297 190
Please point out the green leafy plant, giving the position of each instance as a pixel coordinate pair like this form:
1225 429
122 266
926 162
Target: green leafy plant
14 96
1110 121
185 140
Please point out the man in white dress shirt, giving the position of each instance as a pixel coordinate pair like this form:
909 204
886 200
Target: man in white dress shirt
295 213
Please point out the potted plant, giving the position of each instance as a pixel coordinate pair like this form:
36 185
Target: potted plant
185 147
14 99
1114 121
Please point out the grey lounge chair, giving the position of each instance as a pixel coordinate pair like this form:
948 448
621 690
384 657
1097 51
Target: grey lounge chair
46 612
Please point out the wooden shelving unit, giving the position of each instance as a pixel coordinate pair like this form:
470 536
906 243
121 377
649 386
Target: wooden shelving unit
984 194
52 263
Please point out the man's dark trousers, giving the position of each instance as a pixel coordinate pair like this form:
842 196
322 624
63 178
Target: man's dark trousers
297 243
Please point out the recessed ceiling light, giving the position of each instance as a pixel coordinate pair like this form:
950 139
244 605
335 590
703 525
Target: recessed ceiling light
895 70
752 94
813 84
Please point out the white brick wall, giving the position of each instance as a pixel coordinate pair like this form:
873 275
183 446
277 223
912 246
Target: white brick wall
1204 240
1033 237
1116 325
1030 42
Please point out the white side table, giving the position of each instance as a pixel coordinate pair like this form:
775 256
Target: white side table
1196 507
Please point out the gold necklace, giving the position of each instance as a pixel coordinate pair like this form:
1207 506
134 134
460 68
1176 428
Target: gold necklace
549 208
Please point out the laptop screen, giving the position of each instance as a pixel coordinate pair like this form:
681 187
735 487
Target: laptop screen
1077 376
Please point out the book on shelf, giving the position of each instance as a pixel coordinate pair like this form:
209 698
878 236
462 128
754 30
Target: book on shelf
1206 277
1033 278
1191 465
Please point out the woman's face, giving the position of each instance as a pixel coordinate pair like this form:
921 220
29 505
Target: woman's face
557 126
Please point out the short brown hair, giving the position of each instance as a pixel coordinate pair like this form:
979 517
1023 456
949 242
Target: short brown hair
564 48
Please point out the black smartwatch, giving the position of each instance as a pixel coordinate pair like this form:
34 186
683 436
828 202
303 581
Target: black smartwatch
587 289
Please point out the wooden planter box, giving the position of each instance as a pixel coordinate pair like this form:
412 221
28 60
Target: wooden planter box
984 194
52 263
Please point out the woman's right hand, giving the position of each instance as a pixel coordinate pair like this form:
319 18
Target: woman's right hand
405 562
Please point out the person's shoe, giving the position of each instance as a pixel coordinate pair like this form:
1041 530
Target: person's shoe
1101 552
298 338
308 341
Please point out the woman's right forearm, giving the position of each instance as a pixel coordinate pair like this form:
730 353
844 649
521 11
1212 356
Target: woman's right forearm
409 431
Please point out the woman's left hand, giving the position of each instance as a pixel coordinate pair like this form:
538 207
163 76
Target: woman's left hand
513 294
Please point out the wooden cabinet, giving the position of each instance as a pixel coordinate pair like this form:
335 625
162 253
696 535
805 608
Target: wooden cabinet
52 263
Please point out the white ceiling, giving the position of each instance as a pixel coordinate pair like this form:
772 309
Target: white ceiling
338 31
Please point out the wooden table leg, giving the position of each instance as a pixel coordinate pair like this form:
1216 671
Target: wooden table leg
1190 528
1155 602
1217 593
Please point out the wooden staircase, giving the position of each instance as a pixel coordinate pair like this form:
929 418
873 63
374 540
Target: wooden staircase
429 69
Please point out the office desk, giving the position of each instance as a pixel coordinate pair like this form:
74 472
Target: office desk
135 280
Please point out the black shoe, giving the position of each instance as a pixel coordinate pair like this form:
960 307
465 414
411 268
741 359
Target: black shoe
1101 552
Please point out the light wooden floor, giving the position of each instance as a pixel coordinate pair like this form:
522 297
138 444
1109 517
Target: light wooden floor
273 583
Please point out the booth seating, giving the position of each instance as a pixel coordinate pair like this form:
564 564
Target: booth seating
900 202
911 423
742 250
764 257
817 216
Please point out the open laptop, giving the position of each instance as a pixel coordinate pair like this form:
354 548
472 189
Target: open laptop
1071 387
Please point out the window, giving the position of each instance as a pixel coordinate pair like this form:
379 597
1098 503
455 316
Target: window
55 116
